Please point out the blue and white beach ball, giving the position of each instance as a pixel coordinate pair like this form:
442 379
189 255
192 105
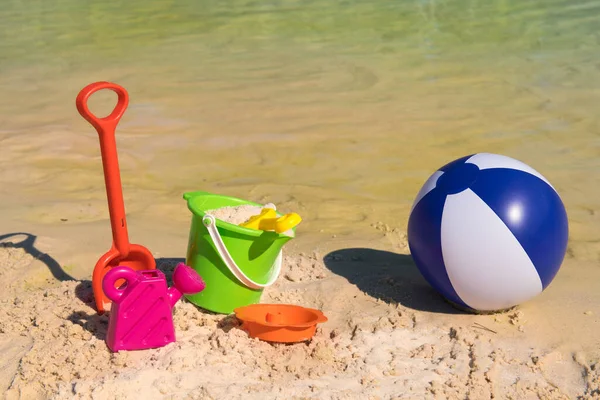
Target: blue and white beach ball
488 232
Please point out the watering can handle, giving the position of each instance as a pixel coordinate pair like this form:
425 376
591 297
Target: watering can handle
112 276
209 223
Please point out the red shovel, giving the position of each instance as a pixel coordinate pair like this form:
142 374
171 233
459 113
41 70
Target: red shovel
122 252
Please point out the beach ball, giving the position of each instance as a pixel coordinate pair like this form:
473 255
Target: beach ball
488 232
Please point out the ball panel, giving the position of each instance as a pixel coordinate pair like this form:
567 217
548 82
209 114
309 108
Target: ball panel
424 240
457 178
427 187
489 160
486 265
533 212
454 163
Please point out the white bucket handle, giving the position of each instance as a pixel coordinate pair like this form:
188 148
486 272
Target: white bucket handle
210 224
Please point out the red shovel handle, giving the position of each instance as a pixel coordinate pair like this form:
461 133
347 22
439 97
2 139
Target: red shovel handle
106 131
110 122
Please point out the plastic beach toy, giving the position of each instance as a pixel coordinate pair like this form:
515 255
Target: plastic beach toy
488 232
283 323
236 263
268 220
141 317
122 253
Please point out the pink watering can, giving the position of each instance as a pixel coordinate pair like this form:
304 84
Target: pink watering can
141 315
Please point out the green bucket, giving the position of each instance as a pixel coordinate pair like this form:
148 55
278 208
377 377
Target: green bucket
236 263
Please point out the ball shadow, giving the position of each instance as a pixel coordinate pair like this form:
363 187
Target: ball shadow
390 277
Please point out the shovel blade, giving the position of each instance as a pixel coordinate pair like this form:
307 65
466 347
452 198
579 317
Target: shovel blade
138 259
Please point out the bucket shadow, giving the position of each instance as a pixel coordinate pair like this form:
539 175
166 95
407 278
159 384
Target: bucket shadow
390 277
167 266
28 244
228 323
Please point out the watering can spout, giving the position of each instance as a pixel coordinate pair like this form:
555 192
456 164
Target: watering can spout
174 295
185 281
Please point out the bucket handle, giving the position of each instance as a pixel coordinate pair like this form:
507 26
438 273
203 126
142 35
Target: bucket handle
209 222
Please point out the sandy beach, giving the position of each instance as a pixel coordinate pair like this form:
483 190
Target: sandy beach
338 112
389 336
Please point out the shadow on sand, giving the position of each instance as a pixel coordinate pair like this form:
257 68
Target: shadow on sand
390 277
26 241
89 320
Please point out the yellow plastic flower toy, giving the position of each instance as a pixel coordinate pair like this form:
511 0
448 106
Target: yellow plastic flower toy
267 220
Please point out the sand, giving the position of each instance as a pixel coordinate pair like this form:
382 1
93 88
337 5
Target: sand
235 215
239 214
52 344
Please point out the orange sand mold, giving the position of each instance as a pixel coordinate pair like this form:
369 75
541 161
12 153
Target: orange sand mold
283 323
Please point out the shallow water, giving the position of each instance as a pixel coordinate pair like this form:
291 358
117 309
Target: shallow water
338 110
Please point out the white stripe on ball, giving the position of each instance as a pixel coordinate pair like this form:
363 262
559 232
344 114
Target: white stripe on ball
487 266
427 187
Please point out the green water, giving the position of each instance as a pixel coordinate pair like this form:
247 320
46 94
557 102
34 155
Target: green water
340 109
